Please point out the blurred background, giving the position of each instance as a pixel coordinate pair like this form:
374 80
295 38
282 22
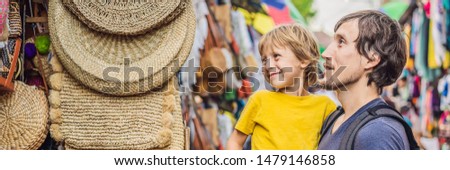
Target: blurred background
227 35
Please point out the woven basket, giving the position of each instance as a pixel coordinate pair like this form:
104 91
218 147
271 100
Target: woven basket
23 118
15 21
125 17
86 119
99 60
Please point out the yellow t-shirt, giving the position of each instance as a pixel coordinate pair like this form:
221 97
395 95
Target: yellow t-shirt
281 121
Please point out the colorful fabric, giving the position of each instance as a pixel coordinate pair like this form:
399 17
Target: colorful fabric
410 61
261 22
446 6
280 16
4 9
436 27
432 58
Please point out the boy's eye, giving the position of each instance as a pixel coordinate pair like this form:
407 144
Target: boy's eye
264 60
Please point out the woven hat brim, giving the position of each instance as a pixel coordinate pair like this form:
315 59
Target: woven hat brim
125 17
92 120
78 54
23 118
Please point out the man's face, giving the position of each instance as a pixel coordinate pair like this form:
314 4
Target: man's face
344 66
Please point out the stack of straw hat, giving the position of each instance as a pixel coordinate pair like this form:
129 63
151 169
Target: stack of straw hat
113 66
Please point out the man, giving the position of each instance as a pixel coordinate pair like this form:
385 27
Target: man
368 53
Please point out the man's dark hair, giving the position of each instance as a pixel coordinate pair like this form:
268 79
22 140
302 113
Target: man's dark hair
383 36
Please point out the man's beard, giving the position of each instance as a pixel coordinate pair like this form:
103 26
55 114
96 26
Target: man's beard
336 84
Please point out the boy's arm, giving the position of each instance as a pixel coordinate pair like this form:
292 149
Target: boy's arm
236 140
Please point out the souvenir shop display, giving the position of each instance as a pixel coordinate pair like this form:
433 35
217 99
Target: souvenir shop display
66 51
144 75
423 88
224 57
9 48
88 53
143 109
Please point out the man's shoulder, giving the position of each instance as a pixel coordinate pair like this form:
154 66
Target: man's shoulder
382 133
385 124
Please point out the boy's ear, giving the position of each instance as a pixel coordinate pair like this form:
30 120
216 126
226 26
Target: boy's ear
304 64
373 61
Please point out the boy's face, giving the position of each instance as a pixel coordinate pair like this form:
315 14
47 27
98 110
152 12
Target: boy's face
282 68
343 65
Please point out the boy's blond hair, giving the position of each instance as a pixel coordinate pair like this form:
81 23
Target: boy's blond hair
300 41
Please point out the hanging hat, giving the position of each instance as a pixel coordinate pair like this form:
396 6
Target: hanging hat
23 118
215 60
125 17
112 63
83 118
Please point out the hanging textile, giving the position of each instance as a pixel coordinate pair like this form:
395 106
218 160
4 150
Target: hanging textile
187 73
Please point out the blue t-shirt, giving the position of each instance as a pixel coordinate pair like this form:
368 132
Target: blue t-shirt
379 134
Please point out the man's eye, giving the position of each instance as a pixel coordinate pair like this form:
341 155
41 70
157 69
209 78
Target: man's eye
341 41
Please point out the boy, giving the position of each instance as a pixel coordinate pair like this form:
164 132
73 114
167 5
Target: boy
289 117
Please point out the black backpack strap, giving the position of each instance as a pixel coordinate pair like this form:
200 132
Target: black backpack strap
348 139
378 111
394 114
329 121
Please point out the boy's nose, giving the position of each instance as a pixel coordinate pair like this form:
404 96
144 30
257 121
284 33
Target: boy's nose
271 65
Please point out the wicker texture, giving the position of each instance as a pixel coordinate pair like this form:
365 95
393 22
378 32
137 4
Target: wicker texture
86 119
87 54
15 20
125 17
23 118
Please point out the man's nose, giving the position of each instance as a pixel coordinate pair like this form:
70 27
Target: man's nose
328 53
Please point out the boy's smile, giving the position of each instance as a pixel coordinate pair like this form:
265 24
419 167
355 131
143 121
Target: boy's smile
272 75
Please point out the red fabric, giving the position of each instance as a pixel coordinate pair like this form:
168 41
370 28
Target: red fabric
280 16
234 45
426 8
246 90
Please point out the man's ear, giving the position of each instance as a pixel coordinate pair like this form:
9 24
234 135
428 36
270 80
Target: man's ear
373 61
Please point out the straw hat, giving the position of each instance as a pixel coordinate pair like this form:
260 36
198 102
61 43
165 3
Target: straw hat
125 17
86 119
23 118
117 64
